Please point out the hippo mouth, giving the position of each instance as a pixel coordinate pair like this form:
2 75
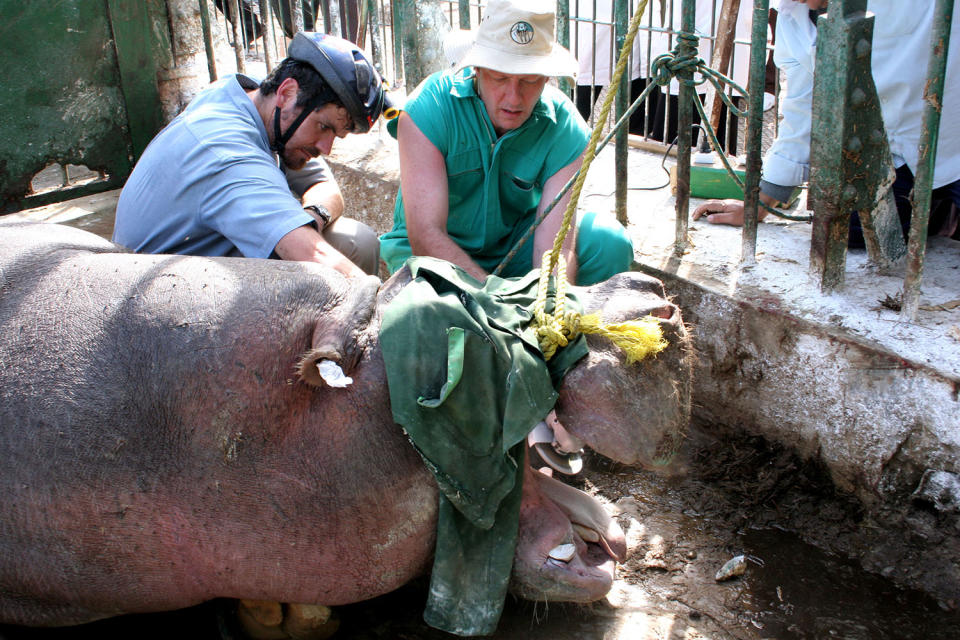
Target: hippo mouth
567 547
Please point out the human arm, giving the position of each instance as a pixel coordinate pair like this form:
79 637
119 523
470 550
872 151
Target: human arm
423 185
315 185
730 211
546 233
307 245
787 163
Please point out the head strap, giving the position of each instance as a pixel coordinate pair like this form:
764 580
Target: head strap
280 140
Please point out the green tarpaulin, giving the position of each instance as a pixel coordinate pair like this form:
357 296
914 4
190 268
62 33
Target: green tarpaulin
467 383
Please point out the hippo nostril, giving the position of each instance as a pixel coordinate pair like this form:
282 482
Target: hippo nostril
664 313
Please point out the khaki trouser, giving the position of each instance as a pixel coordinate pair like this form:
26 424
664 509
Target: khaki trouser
357 241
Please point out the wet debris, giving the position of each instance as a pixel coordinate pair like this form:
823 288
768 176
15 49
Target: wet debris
939 489
736 567
894 303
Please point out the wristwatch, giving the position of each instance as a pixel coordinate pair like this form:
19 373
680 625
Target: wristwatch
321 213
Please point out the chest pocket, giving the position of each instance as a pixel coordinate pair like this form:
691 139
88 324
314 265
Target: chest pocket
519 191
464 176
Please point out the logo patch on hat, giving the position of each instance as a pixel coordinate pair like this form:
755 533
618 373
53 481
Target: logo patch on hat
521 32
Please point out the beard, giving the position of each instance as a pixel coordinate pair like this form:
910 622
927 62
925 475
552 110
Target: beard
298 157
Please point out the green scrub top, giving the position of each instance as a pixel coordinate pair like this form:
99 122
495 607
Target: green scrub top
495 185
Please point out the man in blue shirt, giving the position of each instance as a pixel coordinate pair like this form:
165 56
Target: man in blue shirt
486 147
210 183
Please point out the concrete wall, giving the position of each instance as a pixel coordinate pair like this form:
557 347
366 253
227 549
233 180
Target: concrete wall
876 420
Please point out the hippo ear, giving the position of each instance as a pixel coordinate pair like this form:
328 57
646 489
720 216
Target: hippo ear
338 335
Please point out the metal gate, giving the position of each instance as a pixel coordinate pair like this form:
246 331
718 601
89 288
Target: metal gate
79 90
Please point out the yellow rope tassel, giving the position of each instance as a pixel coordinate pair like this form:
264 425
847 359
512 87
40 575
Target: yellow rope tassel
637 338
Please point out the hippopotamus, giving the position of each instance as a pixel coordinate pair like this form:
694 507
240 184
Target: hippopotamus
166 439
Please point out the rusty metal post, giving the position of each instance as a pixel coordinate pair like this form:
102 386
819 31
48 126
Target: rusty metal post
237 44
208 41
850 163
751 184
933 96
265 19
396 31
685 98
563 38
621 104
332 19
376 41
720 60
296 16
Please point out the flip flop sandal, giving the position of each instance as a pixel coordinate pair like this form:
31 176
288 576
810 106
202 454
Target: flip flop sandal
541 441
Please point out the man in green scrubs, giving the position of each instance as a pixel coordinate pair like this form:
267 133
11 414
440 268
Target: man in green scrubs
486 146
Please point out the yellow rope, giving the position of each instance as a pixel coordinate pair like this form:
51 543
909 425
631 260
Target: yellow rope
637 338
597 134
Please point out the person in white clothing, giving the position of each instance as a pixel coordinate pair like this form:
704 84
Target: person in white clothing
597 55
657 118
901 49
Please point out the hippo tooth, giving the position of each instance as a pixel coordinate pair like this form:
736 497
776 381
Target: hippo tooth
563 552
586 533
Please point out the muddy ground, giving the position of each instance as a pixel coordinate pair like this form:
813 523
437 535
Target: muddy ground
804 578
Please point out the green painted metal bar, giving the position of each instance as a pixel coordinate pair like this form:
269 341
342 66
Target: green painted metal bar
751 187
464 14
851 167
265 18
376 43
397 10
296 16
563 38
622 102
685 98
140 51
208 40
933 96
237 37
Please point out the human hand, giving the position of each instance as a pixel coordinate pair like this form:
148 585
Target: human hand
721 212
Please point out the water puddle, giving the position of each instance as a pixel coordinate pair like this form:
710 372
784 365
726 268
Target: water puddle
801 593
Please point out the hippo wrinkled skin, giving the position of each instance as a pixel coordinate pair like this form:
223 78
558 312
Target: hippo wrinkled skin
165 438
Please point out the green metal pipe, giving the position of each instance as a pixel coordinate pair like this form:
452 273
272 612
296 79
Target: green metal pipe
396 25
563 37
238 38
409 36
685 98
208 41
622 102
265 19
376 43
751 187
464 14
933 96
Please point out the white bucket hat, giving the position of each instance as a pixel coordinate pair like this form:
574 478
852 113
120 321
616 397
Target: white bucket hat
514 39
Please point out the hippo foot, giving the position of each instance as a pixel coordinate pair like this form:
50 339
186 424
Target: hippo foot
268 620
